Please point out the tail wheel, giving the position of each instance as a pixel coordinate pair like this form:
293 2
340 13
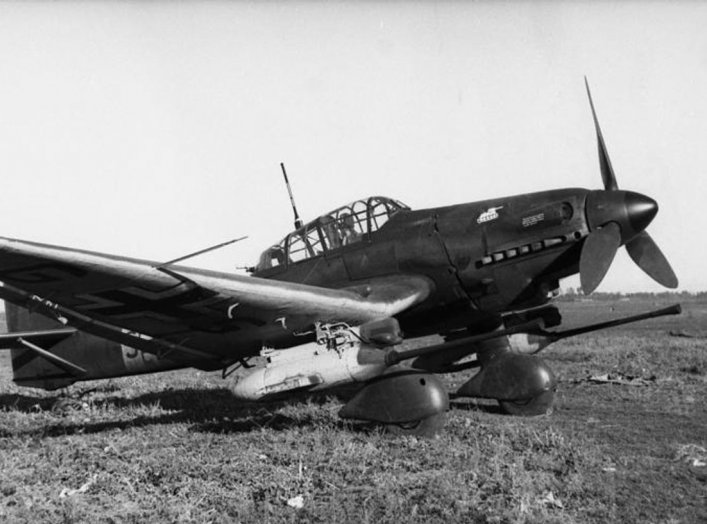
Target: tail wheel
539 405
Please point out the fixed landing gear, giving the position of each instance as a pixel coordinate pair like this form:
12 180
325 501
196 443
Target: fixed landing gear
426 427
523 384
538 405
405 403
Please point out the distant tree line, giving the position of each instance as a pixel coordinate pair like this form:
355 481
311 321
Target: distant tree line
571 294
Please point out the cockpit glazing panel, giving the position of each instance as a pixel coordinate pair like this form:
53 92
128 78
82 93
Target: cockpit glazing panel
344 226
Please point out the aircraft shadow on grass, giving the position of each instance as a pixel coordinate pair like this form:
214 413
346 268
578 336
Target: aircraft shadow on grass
206 410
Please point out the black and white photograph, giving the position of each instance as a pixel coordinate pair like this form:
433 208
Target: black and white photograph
357 262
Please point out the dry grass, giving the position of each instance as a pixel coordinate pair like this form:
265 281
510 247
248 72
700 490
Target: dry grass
178 447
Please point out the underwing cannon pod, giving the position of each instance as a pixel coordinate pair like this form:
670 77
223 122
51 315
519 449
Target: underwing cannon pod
403 400
340 355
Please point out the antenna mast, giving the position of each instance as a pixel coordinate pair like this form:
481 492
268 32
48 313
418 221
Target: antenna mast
298 220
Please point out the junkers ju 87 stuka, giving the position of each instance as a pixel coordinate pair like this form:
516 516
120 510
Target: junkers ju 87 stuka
334 301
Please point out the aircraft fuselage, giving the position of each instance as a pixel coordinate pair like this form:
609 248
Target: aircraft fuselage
483 258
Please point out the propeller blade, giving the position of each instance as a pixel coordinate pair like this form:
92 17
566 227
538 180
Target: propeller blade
597 254
648 256
607 172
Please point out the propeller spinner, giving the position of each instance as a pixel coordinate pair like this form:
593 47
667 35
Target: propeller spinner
618 217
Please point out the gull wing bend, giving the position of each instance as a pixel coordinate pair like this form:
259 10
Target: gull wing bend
204 314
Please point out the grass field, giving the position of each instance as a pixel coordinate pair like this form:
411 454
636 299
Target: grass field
177 447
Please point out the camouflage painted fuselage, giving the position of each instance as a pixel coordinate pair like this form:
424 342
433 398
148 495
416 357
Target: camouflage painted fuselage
483 258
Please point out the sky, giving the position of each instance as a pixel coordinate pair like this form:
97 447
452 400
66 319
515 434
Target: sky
155 129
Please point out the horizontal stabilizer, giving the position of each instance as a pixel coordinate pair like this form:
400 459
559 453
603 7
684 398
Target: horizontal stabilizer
48 355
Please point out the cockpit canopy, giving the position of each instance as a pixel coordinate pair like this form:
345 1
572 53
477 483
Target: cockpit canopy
341 227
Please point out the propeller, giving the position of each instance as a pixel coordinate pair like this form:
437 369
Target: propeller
617 217
647 255
607 171
597 255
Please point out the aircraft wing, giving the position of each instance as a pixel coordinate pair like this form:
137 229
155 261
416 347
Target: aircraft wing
189 313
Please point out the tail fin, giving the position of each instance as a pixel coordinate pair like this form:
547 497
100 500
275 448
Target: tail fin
47 355
28 368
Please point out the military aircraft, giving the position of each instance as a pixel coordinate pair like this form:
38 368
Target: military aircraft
332 303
